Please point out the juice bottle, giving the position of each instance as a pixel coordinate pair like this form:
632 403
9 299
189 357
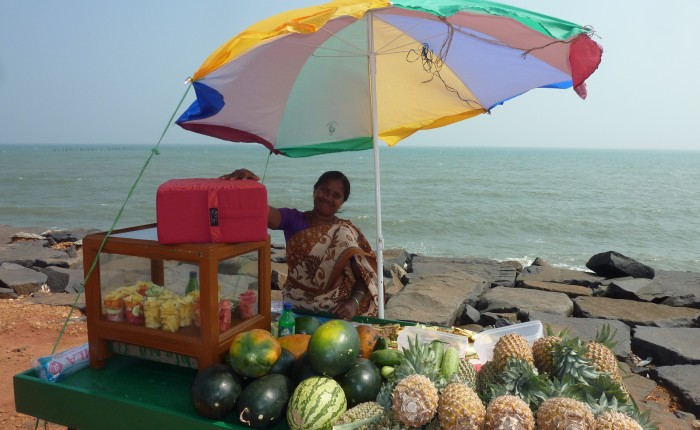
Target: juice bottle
287 323
192 284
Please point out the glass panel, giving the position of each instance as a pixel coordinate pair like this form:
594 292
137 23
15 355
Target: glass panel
154 294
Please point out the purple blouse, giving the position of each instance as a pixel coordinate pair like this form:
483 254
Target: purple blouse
293 221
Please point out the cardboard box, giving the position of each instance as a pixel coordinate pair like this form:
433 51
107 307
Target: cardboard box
204 210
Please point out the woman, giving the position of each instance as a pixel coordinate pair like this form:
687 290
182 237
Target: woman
331 266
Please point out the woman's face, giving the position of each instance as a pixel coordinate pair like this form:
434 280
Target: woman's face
328 197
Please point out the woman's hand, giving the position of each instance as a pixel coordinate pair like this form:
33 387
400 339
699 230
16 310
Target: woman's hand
347 309
240 174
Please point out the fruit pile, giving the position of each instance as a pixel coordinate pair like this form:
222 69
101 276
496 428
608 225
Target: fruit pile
336 375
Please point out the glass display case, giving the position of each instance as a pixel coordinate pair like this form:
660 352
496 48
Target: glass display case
137 294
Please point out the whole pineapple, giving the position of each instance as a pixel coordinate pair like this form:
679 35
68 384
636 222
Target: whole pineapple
467 373
611 420
509 413
414 400
563 413
511 345
417 359
460 408
486 376
599 351
542 351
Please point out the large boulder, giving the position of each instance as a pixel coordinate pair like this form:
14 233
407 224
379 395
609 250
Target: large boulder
504 299
635 313
494 272
435 298
546 273
668 346
20 279
612 264
34 253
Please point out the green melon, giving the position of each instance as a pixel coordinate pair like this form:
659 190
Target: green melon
316 404
306 324
333 348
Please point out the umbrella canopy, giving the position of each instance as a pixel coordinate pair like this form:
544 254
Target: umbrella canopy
343 75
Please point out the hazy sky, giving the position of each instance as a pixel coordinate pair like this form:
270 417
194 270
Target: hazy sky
95 72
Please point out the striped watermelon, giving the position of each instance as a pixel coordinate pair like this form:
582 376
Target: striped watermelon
316 404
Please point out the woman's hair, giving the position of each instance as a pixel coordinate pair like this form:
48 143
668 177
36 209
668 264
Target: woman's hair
334 175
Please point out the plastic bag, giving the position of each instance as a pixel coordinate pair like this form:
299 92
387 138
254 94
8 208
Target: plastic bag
55 367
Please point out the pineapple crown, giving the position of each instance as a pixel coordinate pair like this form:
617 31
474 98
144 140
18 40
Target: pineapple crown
605 337
519 378
419 358
606 403
568 357
550 332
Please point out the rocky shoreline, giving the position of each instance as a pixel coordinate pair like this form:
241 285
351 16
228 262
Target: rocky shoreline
656 313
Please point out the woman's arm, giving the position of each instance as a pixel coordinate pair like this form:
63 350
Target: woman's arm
349 308
274 218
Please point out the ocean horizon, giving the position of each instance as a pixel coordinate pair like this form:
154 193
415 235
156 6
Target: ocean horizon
562 205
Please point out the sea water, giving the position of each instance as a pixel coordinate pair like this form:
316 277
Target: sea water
563 205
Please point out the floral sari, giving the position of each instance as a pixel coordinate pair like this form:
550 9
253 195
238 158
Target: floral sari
319 273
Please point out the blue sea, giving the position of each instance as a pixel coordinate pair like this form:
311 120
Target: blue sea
563 205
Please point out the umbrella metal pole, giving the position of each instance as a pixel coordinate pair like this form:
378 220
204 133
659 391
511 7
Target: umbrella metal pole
377 181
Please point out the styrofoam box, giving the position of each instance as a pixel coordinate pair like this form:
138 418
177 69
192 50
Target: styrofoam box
426 335
486 340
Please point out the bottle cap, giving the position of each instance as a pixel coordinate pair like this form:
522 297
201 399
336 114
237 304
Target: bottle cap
287 306
193 274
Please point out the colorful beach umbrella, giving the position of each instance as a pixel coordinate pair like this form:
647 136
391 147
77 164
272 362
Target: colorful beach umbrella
347 74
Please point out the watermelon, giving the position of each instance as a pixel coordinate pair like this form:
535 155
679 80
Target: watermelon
215 390
262 402
361 383
333 348
316 404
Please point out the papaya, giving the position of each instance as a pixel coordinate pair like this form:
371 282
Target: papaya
295 343
368 339
253 353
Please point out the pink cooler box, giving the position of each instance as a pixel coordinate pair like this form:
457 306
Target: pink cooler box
211 210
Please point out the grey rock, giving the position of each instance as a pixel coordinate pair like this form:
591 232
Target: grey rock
555 274
396 256
72 235
557 287
434 298
627 288
7 293
28 254
668 346
469 316
635 313
586 329
612 264
494 272
674 288
504 299
20 279
684 380
7 231
60 279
